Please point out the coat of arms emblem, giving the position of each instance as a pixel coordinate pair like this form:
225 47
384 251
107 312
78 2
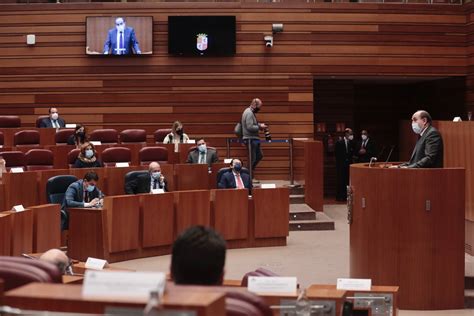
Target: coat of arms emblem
201 43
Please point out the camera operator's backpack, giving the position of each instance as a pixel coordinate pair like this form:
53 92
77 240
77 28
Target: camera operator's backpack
238 130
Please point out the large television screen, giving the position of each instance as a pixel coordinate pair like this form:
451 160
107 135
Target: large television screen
119 35
201 35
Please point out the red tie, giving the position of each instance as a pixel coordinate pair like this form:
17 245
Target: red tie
240 184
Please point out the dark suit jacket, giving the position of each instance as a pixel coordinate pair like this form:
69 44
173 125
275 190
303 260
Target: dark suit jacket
370 150
141 184
129 41
46 122
428 151
74 196
343 156
228 181
211 157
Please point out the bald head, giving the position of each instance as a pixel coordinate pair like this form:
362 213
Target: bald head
56 257
422 115
154 167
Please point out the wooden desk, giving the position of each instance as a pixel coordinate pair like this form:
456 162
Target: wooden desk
20 188
115 179
191 177
168 172
192 208
183 150
394 239
215 167
230 213
5 234
156 219
271 221
68 298
21 224
46 227
60 153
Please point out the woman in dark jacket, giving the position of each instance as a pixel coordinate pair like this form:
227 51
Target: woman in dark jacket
87 158
79 137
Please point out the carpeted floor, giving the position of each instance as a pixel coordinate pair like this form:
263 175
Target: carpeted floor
312 256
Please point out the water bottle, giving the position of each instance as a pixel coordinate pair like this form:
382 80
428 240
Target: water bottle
151 307
303 306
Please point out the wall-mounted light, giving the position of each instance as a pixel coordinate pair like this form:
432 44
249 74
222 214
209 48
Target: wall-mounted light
277 28
268 40
30 39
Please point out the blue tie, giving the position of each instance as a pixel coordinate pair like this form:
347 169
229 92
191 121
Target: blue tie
121 44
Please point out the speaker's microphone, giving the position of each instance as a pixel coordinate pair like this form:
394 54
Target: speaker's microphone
371 161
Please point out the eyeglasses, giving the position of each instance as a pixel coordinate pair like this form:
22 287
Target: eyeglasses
121 23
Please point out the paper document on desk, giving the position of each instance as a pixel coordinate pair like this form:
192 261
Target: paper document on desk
124 285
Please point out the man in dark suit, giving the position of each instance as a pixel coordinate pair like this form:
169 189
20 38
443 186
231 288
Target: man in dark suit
235 179
53 121
148 182
121 40
366 147
201 154
82 193
344 152
428 151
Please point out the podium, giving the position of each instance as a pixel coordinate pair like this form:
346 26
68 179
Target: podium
407 229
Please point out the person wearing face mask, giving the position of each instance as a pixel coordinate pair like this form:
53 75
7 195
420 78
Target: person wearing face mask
236 178
428 151
202 154
121 40
344 152
53 121
177 135
365 148
82 193
79 137
87 158
148 182
250 129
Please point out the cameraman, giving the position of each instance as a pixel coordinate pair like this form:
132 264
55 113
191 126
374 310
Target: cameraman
250 129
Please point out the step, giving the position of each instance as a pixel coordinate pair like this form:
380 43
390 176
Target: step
468 298
469 282
296 198
322 222
302 215
297 190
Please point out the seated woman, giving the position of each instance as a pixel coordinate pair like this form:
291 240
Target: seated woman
79 137
87 158
177 135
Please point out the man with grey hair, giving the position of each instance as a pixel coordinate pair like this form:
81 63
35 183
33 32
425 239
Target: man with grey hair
428 152
59 259
250 129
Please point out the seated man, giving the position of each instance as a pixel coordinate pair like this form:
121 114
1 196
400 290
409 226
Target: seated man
202 154
235 179
145 183
198 258
53 121
59 259
82 193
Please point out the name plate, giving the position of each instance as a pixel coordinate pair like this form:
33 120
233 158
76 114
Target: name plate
122 285
354 284
122 164
268 186
228 160
16 170
95 264
18 208
191 141
70 125
278 285
157 191
95 142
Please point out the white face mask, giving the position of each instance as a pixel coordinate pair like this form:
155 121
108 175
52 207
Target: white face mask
416 128
54 116
121 27
351 137
364 137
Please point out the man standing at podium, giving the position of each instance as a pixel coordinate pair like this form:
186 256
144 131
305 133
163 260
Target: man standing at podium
428 151
121 40
344 157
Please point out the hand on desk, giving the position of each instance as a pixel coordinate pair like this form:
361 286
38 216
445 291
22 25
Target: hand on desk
91 203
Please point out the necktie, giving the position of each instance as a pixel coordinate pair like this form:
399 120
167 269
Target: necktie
240 184
55 124
201 158
154 184
121 46
347 149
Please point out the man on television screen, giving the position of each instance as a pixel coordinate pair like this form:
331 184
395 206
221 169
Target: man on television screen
121 40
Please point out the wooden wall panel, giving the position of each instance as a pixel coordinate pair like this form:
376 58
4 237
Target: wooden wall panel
208 94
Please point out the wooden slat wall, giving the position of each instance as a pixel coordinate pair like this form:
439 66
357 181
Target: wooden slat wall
208 94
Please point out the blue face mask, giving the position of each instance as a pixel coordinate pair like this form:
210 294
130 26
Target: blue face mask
237 167
90 188
202 148
156 175
89 153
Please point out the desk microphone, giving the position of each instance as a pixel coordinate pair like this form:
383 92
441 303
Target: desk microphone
389 155
371 161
